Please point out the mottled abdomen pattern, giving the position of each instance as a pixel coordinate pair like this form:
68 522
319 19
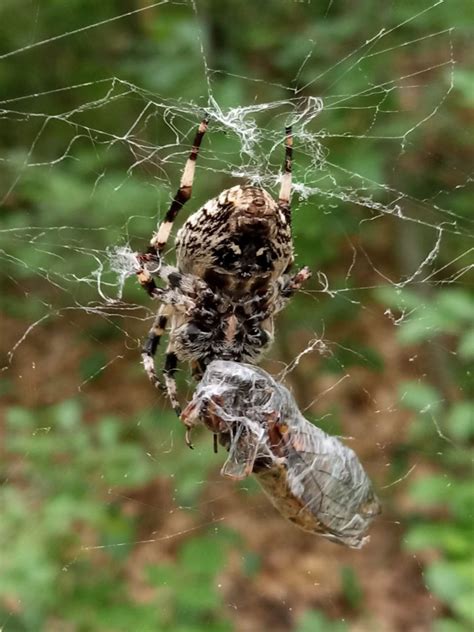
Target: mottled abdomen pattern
238 242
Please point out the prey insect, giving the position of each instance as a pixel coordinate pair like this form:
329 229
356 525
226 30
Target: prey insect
311 478
232 275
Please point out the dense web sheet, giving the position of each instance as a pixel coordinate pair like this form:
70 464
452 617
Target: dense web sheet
74 267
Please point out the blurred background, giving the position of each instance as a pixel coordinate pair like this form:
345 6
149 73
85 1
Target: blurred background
107 521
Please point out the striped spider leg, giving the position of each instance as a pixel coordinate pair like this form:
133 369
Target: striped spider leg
145 275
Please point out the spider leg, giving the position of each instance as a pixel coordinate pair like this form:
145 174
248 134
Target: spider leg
171 365
145 277
285 187
159 240
288 285
151 344
180 287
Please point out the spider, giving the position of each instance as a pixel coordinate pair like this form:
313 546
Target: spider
232 276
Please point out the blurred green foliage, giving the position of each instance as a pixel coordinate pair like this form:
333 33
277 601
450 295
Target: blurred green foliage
445 498
317 622
68 478
189 595
69 192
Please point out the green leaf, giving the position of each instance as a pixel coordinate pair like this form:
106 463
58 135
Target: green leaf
318 622
108 431
454 540
420 397
91 366
462 500
460 421
464 84
19 418
196 595
466 345
464 605
162 575
424 325
67 414
202 555
454 584
351 587
400 299
456 304
448 625
432 490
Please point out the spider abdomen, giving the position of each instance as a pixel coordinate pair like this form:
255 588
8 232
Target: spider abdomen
237 242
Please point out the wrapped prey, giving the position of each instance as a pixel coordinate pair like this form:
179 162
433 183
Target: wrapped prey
312 478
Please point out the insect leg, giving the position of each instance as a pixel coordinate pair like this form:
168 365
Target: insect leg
152 342
159 240
285 187
197 369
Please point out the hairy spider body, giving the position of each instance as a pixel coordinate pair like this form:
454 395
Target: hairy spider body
238 243
221 326
232 275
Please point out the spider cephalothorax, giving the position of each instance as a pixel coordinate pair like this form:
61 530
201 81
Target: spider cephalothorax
232 275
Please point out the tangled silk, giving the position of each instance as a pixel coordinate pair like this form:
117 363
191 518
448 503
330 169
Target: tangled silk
313 480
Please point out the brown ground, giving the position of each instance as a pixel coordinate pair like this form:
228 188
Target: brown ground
298 571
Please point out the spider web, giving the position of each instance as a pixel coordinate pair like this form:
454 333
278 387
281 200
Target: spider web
103 170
